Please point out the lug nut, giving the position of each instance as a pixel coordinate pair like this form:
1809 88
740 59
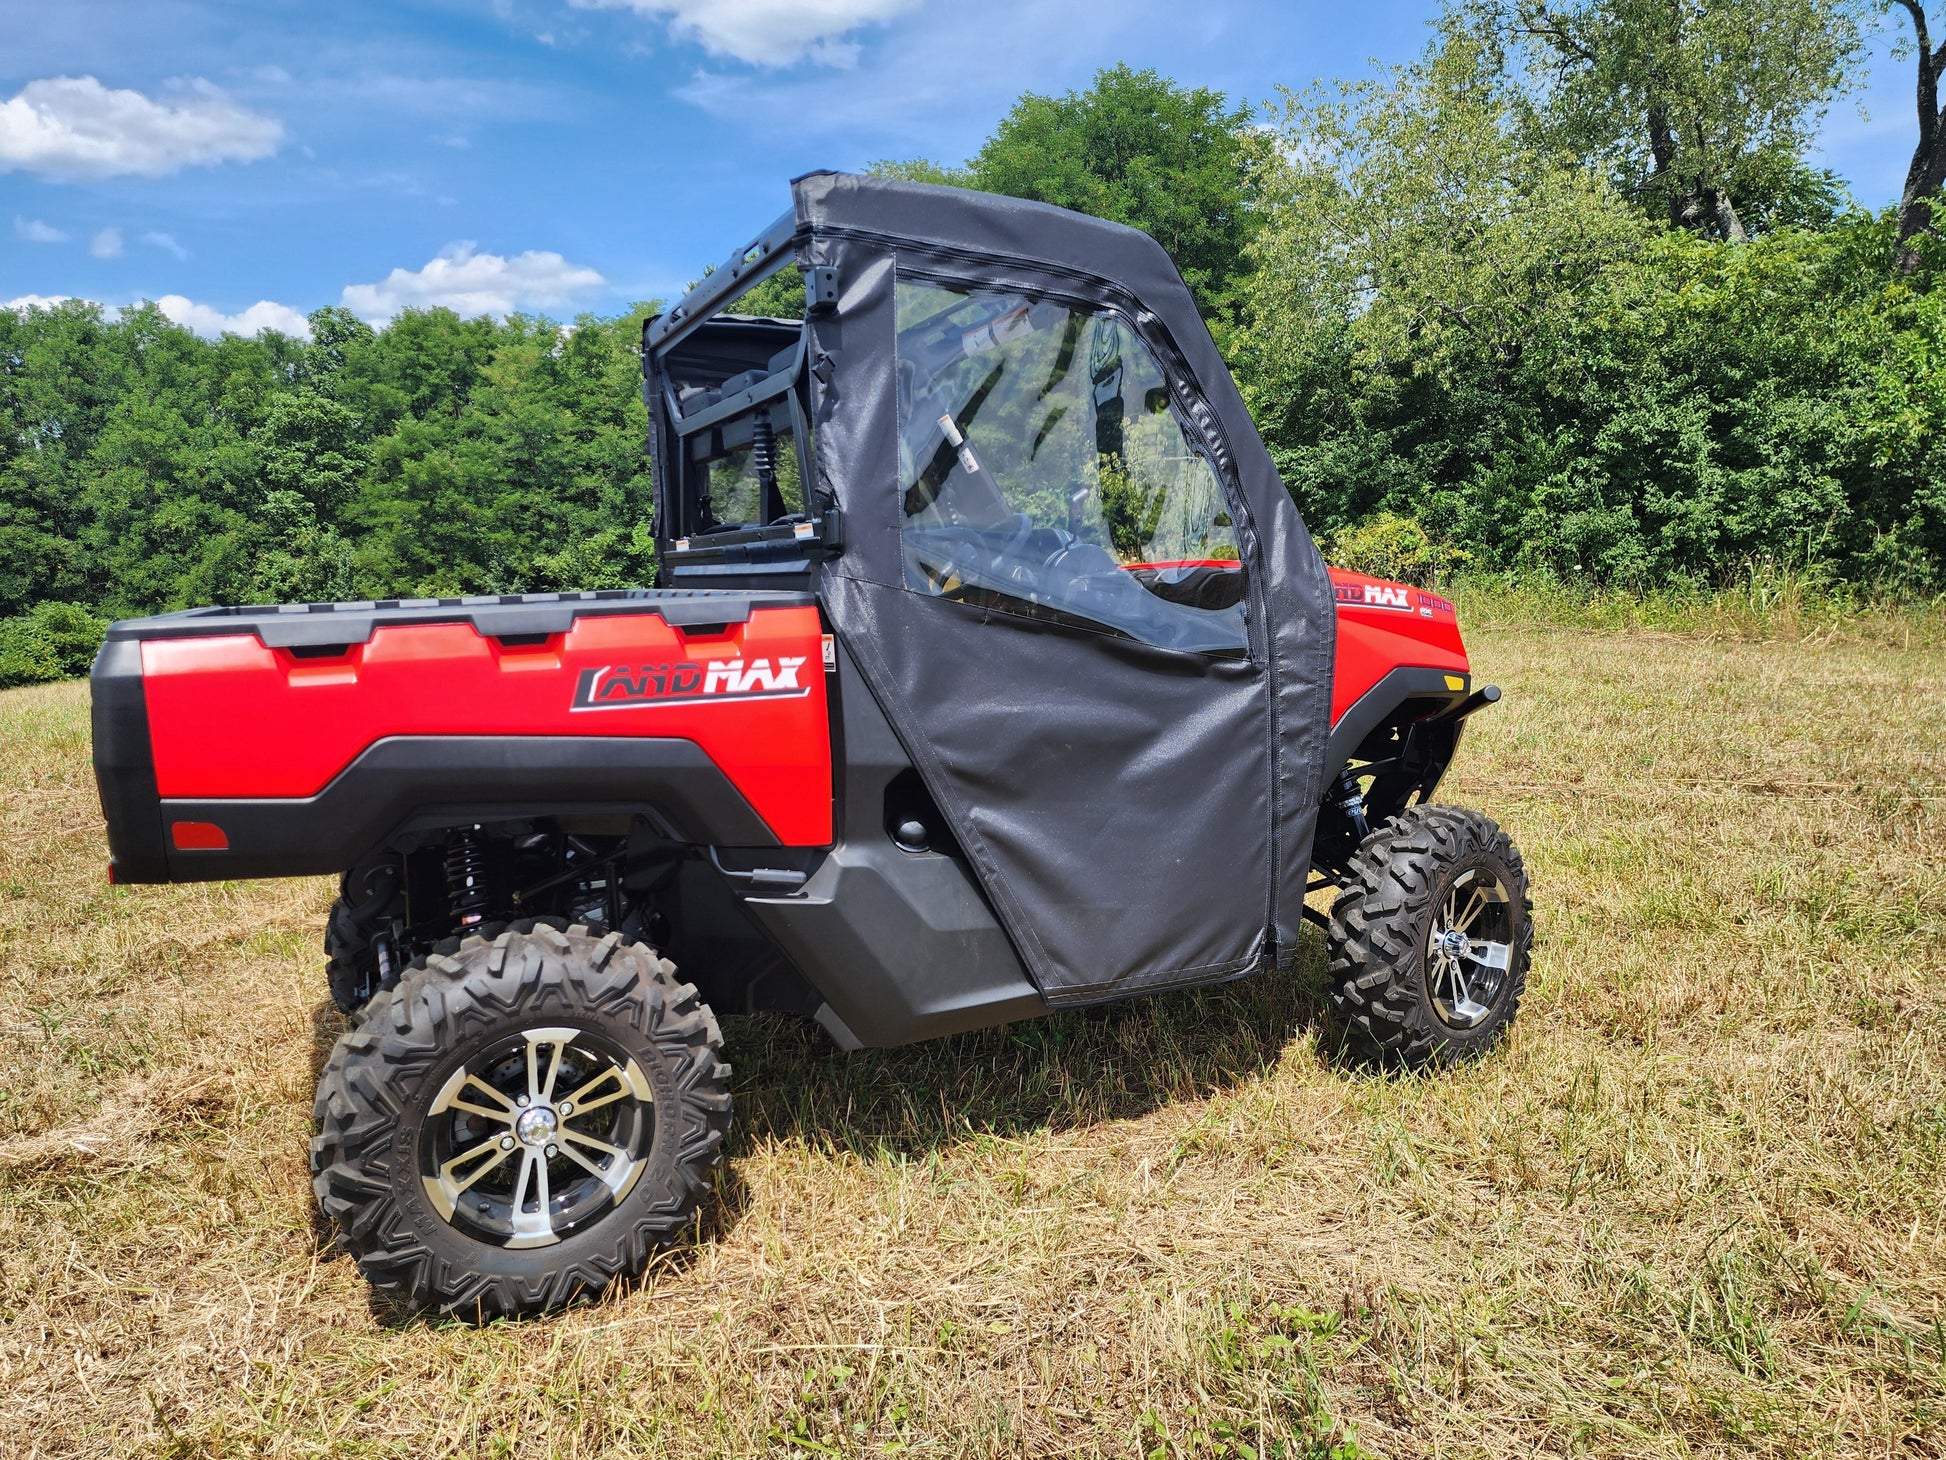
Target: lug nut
520 1100
552 1152
506 1143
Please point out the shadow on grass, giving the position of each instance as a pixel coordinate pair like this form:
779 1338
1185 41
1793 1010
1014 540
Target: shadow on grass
326 1025
1063 1072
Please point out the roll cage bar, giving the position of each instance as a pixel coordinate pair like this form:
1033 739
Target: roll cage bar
749 378
756 261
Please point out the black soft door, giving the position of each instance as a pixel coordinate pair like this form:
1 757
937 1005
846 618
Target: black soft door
1056 585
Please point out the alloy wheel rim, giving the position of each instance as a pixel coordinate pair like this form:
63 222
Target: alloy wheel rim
537 1136
1469 948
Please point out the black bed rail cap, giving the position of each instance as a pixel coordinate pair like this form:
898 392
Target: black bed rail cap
505 615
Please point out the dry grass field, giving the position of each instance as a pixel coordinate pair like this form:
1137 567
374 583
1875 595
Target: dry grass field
1696 1206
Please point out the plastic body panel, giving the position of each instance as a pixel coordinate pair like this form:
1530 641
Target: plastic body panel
1383 626
901 944
291 731
425 782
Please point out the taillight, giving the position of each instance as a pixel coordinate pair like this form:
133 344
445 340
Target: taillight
198 836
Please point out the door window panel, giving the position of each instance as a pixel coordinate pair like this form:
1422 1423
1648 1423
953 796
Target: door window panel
1045 471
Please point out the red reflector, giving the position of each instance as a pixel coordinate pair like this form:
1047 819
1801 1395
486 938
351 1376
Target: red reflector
111 874
198 836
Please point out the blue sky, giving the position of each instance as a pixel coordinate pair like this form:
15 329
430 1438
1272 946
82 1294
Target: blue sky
245 161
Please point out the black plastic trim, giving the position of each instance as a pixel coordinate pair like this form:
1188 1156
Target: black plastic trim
901 945
760 548
1370 708
508 615
765 255
443 780
125 765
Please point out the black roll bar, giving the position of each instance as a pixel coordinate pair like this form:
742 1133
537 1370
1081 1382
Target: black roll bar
749 265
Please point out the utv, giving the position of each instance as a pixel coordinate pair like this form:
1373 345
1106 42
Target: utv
989 671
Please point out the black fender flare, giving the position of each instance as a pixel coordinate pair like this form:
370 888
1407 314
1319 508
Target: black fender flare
1368 711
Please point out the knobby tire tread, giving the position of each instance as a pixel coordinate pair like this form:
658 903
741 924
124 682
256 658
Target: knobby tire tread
1377 967
520 969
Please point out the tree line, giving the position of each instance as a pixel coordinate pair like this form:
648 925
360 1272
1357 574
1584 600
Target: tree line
1563 296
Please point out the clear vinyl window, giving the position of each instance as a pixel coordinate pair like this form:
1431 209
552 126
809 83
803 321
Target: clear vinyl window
1046 472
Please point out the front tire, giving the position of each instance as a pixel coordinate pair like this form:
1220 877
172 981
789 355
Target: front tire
1429 940
523 1120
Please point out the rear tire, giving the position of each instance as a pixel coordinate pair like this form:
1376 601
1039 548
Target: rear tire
361 955
1429 940
456 1172
351 968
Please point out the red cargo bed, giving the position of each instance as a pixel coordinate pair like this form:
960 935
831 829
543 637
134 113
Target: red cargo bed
261 742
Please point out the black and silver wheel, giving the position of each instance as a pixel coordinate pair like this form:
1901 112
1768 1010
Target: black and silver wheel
537 1136
1429 940
523 1120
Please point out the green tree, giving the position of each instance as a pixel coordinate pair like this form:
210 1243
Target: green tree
1416 247
1454 323
1926 174
143 468
493 487
52 641
1180 164
921 170
781 296
1701 110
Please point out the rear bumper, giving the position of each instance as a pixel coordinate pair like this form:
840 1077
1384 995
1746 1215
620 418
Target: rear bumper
125 766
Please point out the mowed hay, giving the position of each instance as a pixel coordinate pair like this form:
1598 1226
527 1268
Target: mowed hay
1694 1207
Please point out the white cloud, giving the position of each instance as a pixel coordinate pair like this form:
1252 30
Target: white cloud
74 127
167 243
475 283
903 101
35 231
767 32
106 244
37 301
209 322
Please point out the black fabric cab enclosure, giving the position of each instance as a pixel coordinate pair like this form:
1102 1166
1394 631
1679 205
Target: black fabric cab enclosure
1071 576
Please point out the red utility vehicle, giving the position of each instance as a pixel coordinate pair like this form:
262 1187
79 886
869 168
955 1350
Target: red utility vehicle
990 671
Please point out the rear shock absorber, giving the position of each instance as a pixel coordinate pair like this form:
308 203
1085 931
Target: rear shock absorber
763 459
466 883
